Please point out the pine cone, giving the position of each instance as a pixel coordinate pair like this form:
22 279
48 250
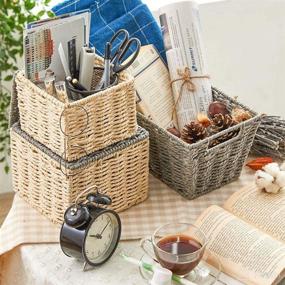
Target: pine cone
193 132
219 123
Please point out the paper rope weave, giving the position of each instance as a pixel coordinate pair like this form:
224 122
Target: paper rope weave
196 169
120 171
92 123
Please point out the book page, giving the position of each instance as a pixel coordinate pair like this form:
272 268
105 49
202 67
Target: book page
245 252
152 83
263 210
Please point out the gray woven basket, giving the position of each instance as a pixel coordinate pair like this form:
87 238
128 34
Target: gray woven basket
194 170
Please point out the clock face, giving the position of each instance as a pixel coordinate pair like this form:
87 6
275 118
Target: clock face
102 238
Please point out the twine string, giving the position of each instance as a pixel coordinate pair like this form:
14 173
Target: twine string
186 78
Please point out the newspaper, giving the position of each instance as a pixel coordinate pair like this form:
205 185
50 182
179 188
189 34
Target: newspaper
184 48
152 83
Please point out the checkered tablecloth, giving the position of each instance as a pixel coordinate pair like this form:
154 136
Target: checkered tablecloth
25 225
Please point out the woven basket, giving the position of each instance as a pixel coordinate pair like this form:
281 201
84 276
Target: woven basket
194 170
90 124
120 171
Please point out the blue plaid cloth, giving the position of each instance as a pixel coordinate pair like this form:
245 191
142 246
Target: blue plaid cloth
108 16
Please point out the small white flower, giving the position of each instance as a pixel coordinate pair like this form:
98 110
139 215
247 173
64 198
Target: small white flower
272 188
272 168
263 179
280 179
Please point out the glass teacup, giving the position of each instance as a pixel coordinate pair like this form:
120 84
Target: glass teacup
178 247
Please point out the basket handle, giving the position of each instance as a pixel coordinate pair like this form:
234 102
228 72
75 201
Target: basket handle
84 192
240 128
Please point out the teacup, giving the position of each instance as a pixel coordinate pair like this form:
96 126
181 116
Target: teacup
178 247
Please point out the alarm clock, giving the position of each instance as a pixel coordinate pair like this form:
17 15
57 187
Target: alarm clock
89 232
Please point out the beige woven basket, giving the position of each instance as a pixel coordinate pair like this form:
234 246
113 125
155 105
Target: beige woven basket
90 124
120 171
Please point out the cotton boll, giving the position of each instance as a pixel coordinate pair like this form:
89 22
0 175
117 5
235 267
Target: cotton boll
282 167
280 179
272 168
272 188
263 179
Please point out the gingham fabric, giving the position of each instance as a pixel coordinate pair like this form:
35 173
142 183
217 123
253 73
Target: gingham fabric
25 225
108 16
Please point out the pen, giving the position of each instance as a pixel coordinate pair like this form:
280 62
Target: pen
77 85
107 65
105 80
74 83
71 95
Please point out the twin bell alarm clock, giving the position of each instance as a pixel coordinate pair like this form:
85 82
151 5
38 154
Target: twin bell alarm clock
89 232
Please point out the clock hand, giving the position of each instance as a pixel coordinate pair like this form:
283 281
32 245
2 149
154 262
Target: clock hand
104 228
96 236
99 236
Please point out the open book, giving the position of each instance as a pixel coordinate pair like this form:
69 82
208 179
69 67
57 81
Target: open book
248 235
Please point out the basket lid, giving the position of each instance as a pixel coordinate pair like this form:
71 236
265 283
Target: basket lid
140 135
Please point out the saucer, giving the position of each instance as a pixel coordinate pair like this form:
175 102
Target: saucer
207 272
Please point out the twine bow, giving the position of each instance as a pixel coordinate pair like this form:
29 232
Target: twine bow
186 78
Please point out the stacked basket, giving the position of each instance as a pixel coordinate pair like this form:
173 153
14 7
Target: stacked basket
59 150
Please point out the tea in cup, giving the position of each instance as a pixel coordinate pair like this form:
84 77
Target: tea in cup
178 247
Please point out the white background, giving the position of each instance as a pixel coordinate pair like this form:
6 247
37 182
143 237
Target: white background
245 47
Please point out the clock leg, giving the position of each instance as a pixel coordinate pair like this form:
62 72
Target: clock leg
85 266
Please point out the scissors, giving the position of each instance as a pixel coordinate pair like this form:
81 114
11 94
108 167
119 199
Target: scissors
126 44
114 58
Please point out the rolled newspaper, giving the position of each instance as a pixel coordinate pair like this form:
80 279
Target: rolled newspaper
184 49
